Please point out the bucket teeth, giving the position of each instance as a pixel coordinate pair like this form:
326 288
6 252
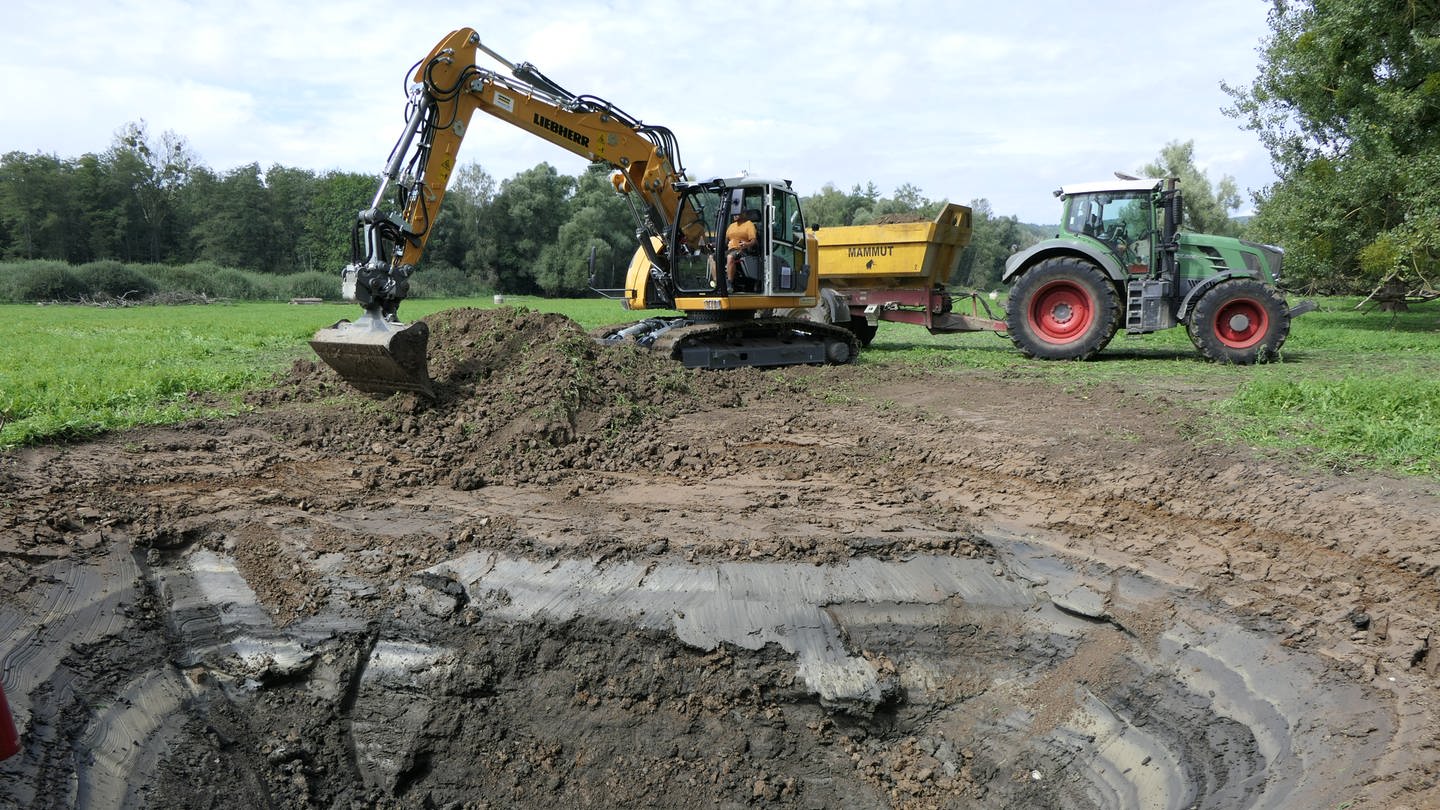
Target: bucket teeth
377 357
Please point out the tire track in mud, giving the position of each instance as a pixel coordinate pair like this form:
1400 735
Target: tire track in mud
51 626
1225 767
1218 519
1312 575
1078 519
128 738
393 712
1331 568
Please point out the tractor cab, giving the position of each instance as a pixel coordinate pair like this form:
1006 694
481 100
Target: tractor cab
1119 218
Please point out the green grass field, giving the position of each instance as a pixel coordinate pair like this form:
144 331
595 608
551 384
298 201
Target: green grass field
75 371
1354 389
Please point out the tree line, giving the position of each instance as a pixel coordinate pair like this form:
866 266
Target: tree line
148 202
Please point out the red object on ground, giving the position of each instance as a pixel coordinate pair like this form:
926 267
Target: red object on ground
9 737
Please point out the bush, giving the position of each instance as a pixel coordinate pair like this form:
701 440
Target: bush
211 280
232 283
265 286
312 284
190 278
441 280
115 280
45 281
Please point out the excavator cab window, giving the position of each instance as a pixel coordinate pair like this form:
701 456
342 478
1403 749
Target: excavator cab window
749 273
693 262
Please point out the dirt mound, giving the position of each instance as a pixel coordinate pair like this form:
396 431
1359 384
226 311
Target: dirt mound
520 395
518 376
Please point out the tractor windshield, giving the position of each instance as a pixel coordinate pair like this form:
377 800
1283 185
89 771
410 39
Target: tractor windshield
1107 215
1123 221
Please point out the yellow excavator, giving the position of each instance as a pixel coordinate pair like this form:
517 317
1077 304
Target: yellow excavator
680 263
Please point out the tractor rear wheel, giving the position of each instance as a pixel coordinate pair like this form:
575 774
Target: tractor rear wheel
1240 321
1063 309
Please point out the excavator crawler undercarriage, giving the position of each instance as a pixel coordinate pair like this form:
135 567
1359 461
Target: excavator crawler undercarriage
740 342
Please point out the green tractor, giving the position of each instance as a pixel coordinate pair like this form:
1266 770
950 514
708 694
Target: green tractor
1120 259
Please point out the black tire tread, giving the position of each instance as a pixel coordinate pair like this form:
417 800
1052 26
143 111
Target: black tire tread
1107 310
1200 325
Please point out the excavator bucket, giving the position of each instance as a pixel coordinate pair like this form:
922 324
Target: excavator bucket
377 356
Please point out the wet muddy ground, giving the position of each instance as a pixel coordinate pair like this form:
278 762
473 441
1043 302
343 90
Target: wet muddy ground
583 577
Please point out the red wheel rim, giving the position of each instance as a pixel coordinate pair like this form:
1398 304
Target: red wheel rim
1061 311
1241 323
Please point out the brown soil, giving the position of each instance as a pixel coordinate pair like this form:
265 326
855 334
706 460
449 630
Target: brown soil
337 600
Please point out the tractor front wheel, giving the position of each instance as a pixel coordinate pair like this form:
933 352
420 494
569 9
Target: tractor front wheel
1240 321
1063 309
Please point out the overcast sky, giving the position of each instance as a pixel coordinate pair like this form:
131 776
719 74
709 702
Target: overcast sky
997 100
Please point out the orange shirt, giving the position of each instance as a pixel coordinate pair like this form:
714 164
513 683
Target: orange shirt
743 231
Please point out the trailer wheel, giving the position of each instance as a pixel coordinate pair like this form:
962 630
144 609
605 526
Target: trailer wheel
863 329
1240 321
1063 309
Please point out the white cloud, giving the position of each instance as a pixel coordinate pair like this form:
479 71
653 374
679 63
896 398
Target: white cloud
964 100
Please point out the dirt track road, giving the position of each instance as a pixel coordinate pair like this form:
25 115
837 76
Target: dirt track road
587 578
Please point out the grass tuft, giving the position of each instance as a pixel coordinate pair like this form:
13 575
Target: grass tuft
1391 423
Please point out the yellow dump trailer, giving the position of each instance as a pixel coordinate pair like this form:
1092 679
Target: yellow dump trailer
899 271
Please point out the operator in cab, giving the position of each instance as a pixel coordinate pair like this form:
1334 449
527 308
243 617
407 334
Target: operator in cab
740 238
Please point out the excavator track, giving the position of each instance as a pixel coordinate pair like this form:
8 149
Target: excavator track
762 342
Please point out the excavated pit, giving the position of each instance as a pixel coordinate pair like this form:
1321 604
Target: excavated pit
582 576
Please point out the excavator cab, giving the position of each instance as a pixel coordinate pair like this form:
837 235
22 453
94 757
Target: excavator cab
773 275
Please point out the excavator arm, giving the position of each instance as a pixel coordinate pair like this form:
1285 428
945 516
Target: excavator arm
376 353
449 88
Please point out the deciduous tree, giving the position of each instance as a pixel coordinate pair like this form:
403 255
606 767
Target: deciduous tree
37 208
599 224
1208 209
330 220
239 228
525 215
151 174
1347 101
